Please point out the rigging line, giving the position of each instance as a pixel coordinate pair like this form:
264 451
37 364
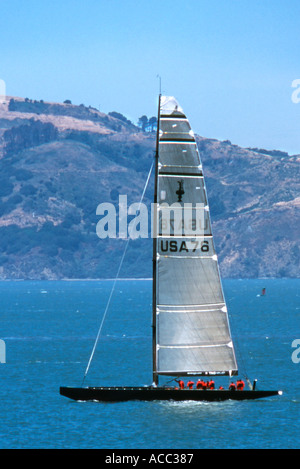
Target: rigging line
241 359
115 281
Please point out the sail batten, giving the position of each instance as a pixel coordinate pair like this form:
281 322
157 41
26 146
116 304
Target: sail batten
192 334
193 346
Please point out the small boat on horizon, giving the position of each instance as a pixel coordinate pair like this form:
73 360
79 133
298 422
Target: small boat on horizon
263 292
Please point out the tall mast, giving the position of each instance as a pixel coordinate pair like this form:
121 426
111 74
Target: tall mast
154 234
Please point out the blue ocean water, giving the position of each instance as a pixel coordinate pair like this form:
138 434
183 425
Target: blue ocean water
49 330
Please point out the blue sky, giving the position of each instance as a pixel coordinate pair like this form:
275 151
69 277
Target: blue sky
230 63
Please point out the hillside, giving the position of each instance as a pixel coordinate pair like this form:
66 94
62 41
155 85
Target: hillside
59 161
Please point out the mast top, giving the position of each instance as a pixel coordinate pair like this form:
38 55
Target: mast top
159 77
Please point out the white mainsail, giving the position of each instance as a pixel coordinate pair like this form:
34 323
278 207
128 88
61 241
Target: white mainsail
191 330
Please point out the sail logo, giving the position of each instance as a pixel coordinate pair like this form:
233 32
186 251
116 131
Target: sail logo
296 94
296 353
134 221
2 351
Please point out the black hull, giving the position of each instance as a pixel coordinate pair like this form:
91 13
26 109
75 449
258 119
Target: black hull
121 394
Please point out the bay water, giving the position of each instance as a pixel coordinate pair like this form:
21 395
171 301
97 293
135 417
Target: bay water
49 329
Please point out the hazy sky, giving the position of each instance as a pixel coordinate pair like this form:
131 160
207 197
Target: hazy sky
230 63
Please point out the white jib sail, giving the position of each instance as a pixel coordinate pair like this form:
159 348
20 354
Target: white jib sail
192 330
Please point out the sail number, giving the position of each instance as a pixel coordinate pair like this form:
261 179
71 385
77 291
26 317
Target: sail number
184 246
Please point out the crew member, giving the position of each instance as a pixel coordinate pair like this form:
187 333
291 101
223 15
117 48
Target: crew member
240 385
232 386
190 384
204 385
180 383
199 384
211 384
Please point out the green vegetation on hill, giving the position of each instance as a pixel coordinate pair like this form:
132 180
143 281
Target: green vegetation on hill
52 179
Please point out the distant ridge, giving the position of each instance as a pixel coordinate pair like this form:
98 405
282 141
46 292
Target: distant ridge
58 161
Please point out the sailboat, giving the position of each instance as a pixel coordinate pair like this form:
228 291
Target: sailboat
191 332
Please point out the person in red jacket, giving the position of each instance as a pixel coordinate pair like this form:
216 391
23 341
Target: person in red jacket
190 384
199 384
240 385
232 386
211 384
205 385
180 383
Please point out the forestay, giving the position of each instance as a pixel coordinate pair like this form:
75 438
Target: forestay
192 331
